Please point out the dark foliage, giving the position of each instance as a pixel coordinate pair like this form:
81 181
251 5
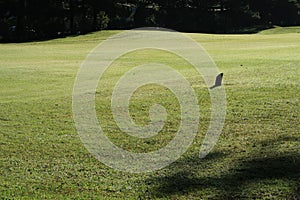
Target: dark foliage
24 20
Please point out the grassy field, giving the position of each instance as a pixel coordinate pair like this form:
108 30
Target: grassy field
257 156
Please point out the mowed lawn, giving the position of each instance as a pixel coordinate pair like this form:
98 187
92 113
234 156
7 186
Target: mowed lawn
257 156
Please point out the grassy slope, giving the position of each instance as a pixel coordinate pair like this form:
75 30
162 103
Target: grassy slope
256 157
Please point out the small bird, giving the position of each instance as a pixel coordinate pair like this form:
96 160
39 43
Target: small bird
218 81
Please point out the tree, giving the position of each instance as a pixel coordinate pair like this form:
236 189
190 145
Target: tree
22 20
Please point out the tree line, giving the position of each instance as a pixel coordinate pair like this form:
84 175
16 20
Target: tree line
23 20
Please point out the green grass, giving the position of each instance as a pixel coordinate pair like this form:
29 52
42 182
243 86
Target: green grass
257 156
281 30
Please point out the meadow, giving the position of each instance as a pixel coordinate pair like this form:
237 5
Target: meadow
256 157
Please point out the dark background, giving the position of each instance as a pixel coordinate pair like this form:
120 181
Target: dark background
27 20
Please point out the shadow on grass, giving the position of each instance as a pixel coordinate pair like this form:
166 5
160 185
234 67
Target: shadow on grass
233 183
243 30
249 30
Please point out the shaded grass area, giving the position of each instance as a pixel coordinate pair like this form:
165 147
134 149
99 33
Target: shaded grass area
282 30
271 175
257 156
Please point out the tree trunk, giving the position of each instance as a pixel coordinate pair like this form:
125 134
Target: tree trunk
72 16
